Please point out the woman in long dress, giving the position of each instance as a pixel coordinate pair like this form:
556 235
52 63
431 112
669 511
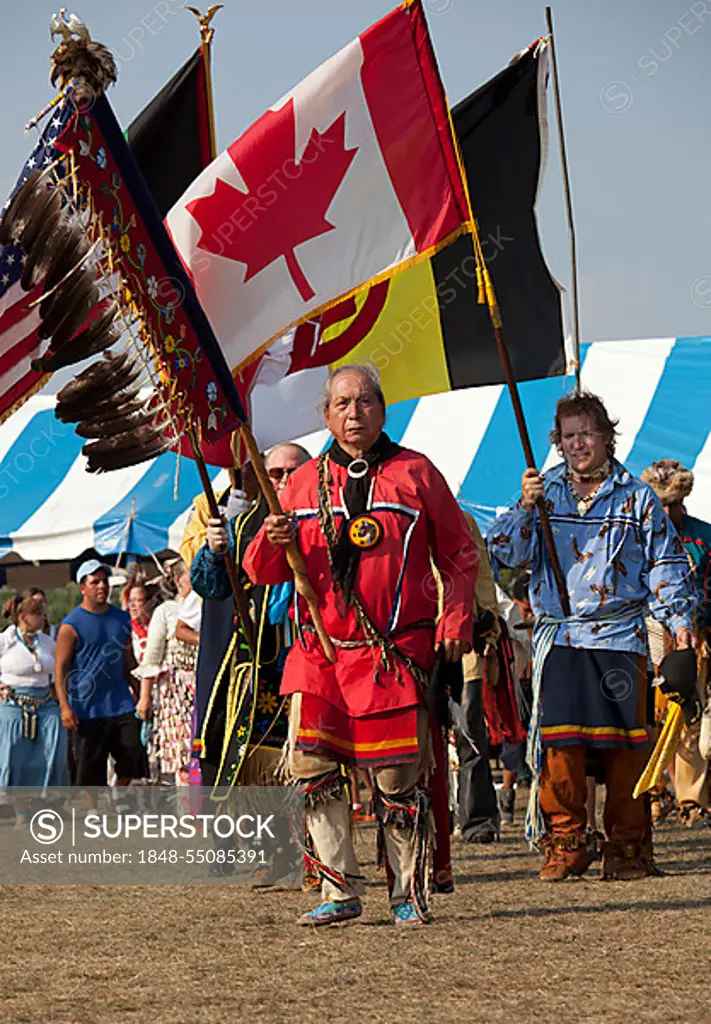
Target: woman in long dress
171 664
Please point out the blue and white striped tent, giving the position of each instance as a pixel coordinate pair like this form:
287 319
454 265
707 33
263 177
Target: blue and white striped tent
659 389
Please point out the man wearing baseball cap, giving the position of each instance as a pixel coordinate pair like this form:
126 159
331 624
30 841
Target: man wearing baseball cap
93 664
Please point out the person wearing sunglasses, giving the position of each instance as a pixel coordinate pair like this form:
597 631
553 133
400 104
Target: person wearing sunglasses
281 462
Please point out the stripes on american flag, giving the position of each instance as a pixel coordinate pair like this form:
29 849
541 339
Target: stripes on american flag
19 343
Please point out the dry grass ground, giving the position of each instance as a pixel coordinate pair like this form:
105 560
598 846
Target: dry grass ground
504 948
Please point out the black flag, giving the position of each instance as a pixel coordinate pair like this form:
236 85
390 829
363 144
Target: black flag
170 138
501 132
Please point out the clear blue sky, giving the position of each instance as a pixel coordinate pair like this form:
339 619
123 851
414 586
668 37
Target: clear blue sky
635 77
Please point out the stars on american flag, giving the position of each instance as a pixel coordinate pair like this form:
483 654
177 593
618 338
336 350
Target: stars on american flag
12 258
10 266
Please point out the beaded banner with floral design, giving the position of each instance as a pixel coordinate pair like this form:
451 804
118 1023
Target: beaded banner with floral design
188 363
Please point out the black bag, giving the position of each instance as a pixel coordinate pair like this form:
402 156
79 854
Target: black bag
483 625
446 679
678 682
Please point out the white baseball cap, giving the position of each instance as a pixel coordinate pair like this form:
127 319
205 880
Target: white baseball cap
92 565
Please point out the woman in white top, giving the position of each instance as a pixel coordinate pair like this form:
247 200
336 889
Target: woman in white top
33 742
171 664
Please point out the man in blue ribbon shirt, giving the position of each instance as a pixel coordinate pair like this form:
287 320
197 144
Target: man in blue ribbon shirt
621 558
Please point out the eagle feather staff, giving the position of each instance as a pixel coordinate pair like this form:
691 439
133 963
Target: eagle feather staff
96 192
89 228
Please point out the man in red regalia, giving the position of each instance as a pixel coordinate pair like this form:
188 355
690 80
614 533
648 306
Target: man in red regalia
370 518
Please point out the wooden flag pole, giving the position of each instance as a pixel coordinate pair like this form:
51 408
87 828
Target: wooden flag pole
294 556
230 563
568 202
494 313
488 295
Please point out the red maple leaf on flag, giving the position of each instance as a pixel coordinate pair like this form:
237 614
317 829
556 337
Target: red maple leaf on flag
286 202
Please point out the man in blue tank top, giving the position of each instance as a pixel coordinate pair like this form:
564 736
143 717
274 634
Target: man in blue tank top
93 665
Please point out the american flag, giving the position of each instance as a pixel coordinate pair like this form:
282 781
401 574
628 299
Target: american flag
19 343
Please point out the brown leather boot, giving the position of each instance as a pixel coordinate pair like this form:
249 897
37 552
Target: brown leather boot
566 855
627 862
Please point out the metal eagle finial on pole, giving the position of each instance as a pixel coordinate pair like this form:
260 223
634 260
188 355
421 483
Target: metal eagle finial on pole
204 21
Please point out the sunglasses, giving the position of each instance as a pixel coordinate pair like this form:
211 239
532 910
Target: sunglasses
279 472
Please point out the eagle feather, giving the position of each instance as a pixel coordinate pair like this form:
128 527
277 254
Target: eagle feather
108 378
143 447
93 429
105 422
70 249
100 335
44 209
15 217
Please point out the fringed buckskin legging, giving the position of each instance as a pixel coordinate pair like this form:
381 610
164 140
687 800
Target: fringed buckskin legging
329 823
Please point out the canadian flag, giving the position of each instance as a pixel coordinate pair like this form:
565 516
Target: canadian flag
350 177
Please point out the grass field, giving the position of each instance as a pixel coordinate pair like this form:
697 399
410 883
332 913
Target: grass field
503 948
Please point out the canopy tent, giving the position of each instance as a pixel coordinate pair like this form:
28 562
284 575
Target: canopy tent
660 389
